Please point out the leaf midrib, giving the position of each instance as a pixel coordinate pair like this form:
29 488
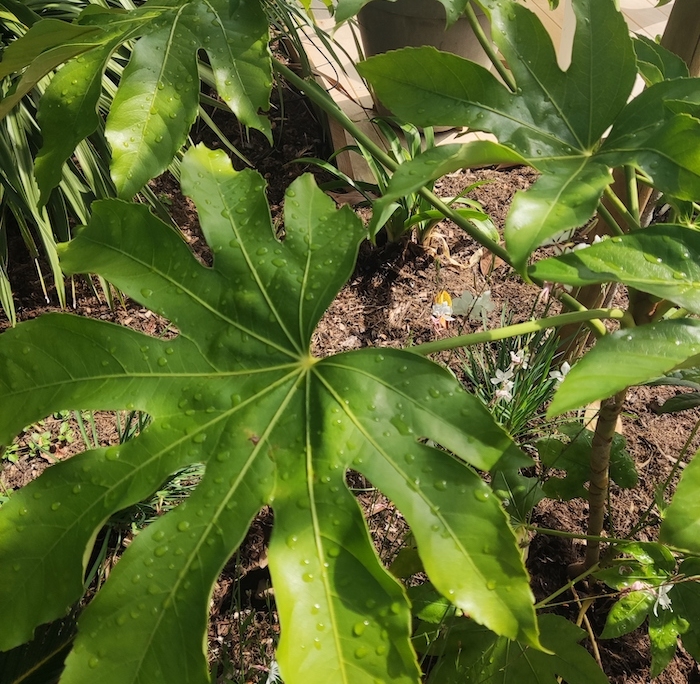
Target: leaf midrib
153 269
436 511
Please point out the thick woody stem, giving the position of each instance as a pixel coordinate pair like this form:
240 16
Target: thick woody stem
610 410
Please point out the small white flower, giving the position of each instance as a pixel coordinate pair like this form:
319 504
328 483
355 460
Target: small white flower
504 392
559 375
274 676
662 598
519 359
502 377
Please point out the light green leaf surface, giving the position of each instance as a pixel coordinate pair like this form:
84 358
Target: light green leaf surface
566 199
628 357
628 613
662 260
237 390
665 626
67 114
658 131
157 100
475 655
554 119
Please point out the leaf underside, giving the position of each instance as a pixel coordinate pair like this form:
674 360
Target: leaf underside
238 391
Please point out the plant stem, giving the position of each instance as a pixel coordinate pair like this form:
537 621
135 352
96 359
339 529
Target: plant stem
319 96
567 586
632 191
515 330
619 205
574 535
487 46
610 219
610 410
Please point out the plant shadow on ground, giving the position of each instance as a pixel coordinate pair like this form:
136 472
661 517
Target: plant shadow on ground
387 302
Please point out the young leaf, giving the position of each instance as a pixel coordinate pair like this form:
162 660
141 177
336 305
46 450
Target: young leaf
665 626
238 391
628 613
628 357
476 655
662 260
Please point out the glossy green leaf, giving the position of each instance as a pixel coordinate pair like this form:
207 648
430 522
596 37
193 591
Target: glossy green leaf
686 603
476 655
157 100
560 200
158 95
681 524
628 357
663 260
555 119
656 63
67 114
434 163
628 613
658 131
665 626
238 391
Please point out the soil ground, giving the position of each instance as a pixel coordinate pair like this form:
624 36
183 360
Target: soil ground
387 302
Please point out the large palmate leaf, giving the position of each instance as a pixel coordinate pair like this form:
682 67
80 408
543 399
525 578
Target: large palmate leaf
662 260
473 654
238 390
628 357
158 95
554 119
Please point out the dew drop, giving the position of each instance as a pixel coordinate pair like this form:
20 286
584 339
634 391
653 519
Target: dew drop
93 662
440 485
146 292
491 585
307 577
481 494
55 505
360 652
183 525
359 628
160 551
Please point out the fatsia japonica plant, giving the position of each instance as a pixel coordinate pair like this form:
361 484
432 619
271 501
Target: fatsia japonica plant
238 390
157 98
